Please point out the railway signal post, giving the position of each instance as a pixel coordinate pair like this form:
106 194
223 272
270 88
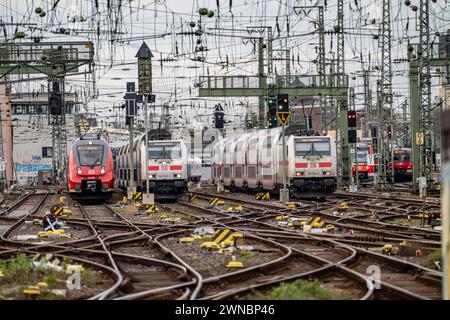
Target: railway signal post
283 115
144 56
130 107
352 139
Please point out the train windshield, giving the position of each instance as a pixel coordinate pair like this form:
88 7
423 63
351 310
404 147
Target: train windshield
312 148
361 155
169 152
402 157
90 155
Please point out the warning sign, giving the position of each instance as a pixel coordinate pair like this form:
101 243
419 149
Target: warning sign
283 117
420 138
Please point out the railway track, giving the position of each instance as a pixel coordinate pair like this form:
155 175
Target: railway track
145 260
356 223
420 283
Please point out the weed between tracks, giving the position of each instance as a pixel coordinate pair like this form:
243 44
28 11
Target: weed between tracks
246 256
432 258
19 274
406 222
299 290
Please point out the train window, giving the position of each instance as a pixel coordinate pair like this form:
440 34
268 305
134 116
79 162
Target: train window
267 147
172 151
252 172
17 110
238 172
361 154
402 157
47 152
312 148
90 155
322 147
303 148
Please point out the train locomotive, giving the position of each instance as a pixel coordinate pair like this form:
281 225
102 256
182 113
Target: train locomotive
366 165
254 161
402 164
167 165
90 173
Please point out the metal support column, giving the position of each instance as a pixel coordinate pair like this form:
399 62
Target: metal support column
415 124
284 193
385 177
342 134
340 45
145 97
262 82
425 124
355 147
345 150
132 185
59 133
445 200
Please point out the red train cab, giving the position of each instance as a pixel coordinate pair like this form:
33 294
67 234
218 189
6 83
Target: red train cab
90 173
402 164
366 163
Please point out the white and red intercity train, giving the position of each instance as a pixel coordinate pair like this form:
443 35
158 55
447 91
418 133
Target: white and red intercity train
167 165
254 161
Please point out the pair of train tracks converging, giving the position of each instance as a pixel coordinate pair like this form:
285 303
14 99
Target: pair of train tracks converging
142 257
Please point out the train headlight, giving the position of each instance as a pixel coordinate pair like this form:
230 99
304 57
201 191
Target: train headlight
177 175
102 170
327 173
164 163
150 176
79 170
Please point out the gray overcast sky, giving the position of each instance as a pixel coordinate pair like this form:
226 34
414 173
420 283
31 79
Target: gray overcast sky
118 32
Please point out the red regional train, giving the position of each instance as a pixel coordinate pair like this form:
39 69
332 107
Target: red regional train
366 163
402 164
90 173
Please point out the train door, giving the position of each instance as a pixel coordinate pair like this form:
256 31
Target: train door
252 163
268 169
227 164
238 164
233 162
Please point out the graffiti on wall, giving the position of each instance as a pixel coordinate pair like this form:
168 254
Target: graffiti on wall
33 167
